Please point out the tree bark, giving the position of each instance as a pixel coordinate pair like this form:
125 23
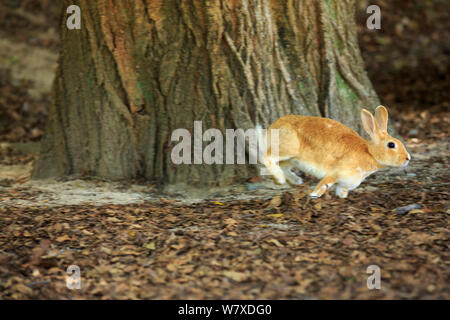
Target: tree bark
137 70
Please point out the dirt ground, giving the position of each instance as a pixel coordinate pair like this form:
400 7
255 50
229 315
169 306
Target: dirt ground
251 241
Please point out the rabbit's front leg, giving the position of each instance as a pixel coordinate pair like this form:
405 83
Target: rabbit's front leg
323 185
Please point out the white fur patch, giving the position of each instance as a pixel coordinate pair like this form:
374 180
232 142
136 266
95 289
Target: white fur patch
350 183
341 192
365 174
291 176
309 168
274 169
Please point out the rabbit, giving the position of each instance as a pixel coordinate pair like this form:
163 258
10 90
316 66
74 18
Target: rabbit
331 151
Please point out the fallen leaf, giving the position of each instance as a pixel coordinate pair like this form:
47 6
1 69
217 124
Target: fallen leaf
276 201
276 242
408 208
275 215
230 222
236 276
63 238
417 211
150 246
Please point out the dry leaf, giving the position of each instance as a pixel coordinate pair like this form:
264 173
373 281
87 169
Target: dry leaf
63 238
88 233
317 206
276 201
236 276
275 215
276 242
150 246
230 222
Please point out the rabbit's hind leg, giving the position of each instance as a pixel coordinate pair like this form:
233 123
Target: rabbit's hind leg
291 177
286 142
274 169
323 185
341 192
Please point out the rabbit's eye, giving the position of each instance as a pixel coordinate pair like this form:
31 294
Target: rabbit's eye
391 145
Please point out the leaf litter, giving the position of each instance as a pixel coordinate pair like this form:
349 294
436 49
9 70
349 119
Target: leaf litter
282 246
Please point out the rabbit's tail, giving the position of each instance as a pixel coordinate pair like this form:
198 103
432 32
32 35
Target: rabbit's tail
261 136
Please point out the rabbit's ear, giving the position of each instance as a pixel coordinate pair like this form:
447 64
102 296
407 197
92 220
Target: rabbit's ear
369 124
381 114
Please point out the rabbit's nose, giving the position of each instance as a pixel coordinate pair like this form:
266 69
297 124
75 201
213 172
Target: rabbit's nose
409 157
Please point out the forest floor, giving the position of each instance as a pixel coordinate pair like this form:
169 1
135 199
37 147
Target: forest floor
253 241
269 243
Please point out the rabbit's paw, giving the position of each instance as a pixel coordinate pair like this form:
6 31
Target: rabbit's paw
341 192
293 179
314 195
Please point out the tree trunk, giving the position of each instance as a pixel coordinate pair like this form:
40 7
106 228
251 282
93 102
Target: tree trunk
137 70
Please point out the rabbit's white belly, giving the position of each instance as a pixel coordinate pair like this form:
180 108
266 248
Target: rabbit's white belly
350 183
354 181
309 168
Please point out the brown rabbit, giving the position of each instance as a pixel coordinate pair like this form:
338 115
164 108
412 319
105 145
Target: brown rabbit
329 150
